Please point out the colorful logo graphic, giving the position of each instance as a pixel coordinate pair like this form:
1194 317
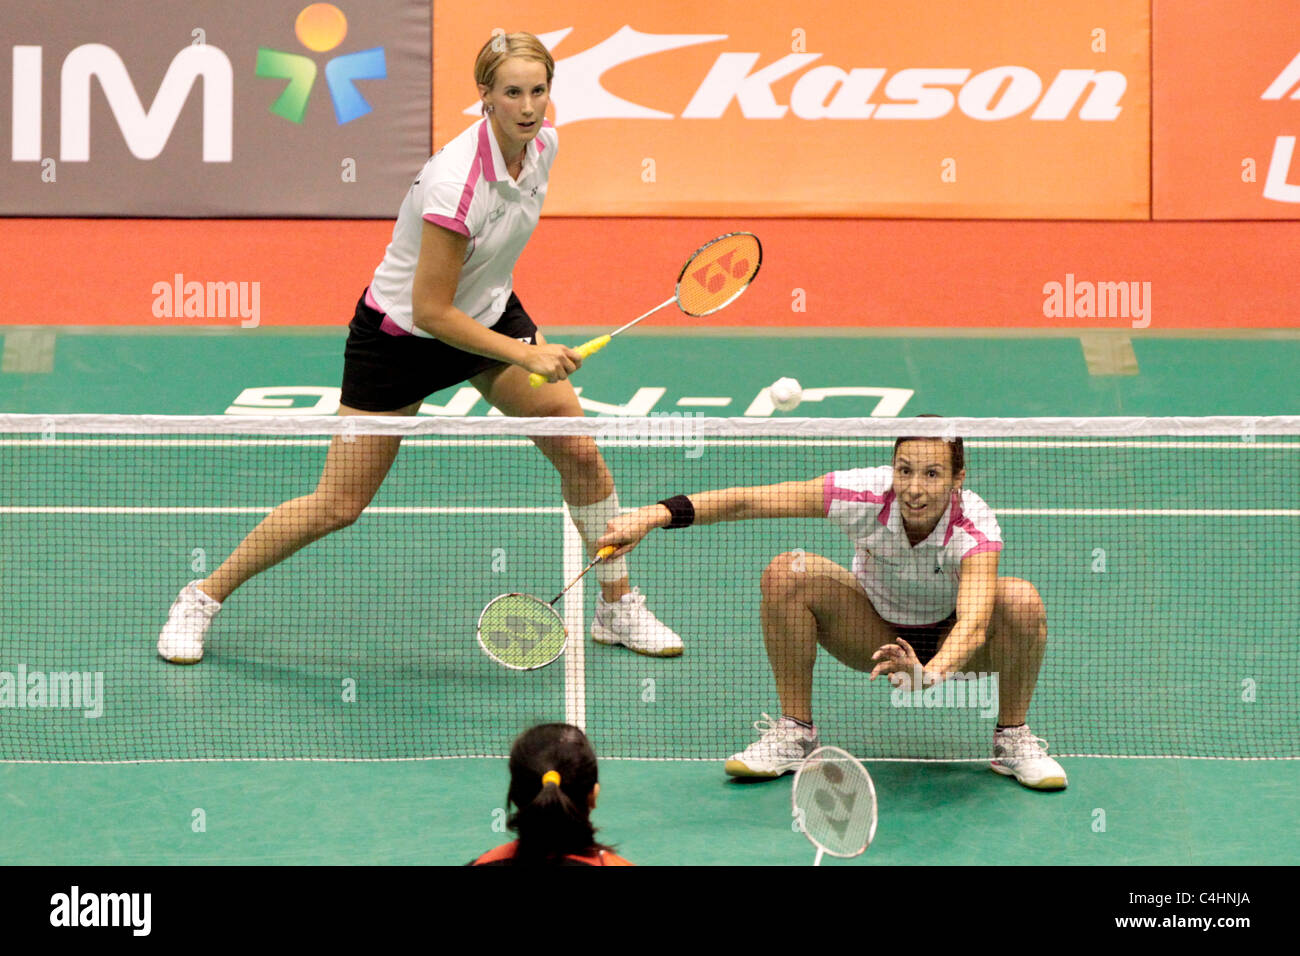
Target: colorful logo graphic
321 27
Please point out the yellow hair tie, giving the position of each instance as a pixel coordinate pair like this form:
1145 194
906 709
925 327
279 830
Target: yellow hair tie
550 777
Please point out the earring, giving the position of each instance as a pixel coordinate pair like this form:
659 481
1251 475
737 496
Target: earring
491 108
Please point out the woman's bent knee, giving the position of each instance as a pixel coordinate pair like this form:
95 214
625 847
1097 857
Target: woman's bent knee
784 576
327 513
1021 604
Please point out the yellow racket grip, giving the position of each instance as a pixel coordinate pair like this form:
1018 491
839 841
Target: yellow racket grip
606 551
586 350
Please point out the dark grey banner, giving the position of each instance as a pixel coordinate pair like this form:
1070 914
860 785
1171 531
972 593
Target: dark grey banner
216 108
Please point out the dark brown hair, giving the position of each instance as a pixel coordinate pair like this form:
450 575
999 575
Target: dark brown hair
552 820
957 450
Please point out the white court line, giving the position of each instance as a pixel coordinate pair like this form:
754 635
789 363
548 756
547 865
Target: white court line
1234 443
256 510
417 510
681 437
575 670
691 760
1152 512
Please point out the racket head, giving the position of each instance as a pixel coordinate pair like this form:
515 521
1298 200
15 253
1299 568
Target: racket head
835 801
521 632
718 272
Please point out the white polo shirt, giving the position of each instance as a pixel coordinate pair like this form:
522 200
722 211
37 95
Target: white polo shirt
466 188
907 585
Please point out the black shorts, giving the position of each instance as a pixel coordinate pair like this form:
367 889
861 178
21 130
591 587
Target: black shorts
926 639
383 372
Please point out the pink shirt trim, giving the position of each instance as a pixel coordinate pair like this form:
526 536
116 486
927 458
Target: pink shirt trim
832 492
455 225
957 519
387 325
483 159
982 542
392 328
888 498
954 516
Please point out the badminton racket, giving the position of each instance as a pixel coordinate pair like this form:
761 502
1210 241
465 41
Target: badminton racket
712 279
835 803
523 632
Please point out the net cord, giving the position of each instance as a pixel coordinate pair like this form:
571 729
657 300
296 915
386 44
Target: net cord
1244 428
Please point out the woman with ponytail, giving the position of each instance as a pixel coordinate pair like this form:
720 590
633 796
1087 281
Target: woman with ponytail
553 789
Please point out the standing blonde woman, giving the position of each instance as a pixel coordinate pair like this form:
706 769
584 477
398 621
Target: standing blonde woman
440 310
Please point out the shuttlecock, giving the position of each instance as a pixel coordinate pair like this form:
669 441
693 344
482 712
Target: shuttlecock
786 394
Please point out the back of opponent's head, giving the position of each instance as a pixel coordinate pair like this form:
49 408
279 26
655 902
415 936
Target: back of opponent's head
552 777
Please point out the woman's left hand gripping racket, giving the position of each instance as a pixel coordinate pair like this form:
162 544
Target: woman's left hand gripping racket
712 279
835 803
523 632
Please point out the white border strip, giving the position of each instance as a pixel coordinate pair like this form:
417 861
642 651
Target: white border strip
690 760
1152 512
652 442
571 571
1242 427
575 655
256 510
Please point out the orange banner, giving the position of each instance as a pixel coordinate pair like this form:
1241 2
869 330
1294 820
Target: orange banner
959 108
1158 277
1226 117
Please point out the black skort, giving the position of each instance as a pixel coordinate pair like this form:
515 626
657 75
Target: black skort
383 372
926 639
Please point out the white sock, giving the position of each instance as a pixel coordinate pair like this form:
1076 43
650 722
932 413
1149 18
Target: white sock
591 521
207 599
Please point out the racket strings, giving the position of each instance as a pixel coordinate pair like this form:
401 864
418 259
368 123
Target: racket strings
836 802
718 273
522 632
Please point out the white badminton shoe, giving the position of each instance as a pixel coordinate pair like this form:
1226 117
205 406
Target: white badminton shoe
181 640
633 625
1018 753
781 748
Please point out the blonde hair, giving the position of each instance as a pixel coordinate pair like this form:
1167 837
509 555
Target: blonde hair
503 46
